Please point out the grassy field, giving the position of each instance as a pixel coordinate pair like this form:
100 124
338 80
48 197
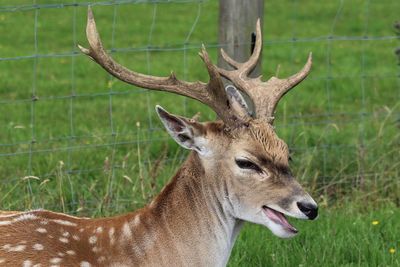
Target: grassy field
340 237
89 145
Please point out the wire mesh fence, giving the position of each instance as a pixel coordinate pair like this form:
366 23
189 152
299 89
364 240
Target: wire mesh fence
75 139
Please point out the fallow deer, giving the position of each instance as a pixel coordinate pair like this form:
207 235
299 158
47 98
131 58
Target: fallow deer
238 171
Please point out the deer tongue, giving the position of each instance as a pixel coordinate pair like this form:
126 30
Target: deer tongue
278 218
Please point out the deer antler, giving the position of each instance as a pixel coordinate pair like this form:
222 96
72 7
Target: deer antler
265 95
212 93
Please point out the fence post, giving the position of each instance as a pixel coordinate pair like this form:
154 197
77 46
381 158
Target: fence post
237 22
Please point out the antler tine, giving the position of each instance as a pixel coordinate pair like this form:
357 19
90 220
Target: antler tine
230 60
279 87
295 79
246 67
252 62
212 71
97 53
212 94
215 86
265 95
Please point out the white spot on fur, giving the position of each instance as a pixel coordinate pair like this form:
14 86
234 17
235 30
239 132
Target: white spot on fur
25 217
5 223
41 230
111 235
136 221
22 242
6 246
63 222
55 260
70 252
75 237
92 239
27 263
126 230
63 239
65 234
17 248
99 230
101 259
81 230
2 260
96 249
85 264
60 254
72 217
50 236
38 246
8 215
44 222
37 265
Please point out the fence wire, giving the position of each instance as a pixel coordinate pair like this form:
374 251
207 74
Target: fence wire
74 138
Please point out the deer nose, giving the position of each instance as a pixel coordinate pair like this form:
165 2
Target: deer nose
309 209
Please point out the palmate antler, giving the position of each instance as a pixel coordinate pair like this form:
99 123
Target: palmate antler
265 95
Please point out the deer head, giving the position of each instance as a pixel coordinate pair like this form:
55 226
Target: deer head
241 157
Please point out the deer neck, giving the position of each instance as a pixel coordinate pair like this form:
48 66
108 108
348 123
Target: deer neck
191 218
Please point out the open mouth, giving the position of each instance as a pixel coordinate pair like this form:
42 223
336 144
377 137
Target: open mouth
279 218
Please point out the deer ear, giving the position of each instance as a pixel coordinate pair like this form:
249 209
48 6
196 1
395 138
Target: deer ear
189 134
238 102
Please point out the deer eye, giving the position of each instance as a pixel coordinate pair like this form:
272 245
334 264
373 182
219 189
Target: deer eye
246 164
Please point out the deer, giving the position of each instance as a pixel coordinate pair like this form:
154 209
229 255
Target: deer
237 171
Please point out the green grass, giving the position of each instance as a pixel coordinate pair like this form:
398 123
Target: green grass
339 237
342 123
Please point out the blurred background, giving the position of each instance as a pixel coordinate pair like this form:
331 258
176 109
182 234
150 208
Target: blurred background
74 139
